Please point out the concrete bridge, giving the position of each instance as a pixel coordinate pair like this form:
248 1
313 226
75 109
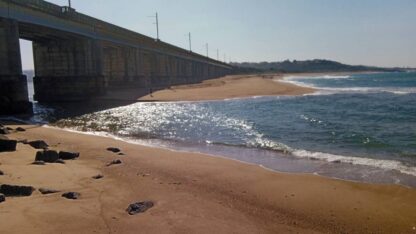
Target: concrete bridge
77 57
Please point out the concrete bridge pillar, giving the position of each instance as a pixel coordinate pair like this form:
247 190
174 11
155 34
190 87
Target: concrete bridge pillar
68 69
13 85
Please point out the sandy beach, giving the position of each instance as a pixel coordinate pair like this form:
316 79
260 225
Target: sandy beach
236 86
192 193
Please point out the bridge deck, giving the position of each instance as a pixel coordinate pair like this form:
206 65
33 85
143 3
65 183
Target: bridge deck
49 16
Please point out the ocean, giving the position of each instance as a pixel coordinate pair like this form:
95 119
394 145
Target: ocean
359 127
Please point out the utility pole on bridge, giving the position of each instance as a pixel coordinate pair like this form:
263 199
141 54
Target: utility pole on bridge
69 3
206 45
157 25
190 42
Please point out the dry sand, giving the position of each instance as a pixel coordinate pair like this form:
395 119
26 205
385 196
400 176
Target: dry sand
228 87
193 193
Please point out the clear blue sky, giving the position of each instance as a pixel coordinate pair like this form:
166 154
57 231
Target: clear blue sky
371 32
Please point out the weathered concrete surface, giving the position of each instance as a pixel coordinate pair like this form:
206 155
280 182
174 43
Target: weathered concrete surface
13 86
67 70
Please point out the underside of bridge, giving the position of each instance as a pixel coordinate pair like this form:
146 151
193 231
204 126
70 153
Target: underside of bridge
76 66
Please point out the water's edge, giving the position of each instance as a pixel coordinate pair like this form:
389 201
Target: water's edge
272 161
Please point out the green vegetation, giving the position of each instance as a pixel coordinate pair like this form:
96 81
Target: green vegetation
316 65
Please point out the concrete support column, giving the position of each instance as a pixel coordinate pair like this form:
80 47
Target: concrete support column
13 85
68 70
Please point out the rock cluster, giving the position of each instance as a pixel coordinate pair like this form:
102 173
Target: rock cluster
46 155
52 156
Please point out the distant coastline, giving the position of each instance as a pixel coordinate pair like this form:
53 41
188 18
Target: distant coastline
310 66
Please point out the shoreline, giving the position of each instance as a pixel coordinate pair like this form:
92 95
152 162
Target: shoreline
308 162
186 183
238 87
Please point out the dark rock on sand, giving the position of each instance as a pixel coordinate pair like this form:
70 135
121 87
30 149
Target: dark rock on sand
40 163
1 173
99 176
2 198
48 191
68 155
39 144
16 190
113 149
121 154
71 195
3 130
115 161
49 156
7 145
20 129
139 207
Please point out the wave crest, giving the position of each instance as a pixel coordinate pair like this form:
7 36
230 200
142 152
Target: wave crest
379 163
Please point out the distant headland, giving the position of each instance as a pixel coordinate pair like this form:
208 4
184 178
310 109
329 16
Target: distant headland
315 65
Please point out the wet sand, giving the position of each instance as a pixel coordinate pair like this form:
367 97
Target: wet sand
193 193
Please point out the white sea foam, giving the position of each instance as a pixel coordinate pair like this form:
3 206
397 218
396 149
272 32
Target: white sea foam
332 77
333 90
398 91
379 163
260 142
335 77
291 80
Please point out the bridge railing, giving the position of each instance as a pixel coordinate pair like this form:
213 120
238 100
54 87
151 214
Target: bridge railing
39 5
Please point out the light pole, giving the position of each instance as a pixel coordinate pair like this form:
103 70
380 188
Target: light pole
190 42
69 3
157 25
206 45
218 55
